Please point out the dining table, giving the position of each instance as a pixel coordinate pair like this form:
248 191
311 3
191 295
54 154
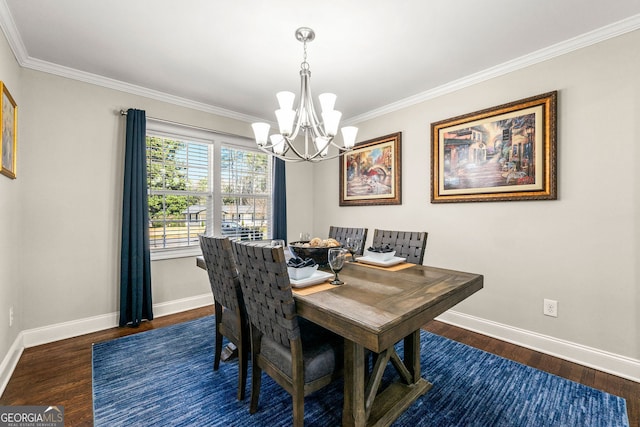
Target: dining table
375 309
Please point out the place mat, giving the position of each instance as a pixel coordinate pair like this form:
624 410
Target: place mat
396 267
313 288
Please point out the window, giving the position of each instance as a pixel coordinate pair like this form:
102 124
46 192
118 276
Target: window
203 182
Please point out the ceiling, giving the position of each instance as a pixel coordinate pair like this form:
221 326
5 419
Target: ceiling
231 57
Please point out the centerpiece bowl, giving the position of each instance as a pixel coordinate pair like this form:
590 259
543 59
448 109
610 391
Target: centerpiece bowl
317 253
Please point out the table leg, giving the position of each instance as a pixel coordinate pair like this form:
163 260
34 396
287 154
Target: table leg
353 413
412 355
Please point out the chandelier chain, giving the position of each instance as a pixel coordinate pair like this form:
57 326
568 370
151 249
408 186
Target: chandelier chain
305 64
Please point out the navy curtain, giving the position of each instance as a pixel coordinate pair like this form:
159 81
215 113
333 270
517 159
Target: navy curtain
135 258
279 200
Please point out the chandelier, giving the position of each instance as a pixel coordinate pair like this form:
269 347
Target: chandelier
318 142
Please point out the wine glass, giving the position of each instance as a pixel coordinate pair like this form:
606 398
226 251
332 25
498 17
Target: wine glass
336 258
305 237
352 245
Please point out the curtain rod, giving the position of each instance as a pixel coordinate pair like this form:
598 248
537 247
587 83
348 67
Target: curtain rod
124 113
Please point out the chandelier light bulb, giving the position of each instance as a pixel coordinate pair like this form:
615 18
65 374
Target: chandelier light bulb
349 136
322 145
327 101
278 143
331 121
285 121
261 132
285 99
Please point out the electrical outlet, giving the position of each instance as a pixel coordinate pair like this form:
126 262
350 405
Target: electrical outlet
10 316
550 308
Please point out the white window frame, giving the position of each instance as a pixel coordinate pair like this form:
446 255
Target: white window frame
217 140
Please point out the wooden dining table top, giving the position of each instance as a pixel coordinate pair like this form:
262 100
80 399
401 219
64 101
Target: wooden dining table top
376 308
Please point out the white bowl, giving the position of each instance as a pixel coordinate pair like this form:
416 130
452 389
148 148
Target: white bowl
381 256
302 272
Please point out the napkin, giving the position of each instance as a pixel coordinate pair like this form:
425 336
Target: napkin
297 262
380 249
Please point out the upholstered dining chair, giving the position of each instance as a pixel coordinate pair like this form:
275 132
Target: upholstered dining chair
230 314
407 244
342 233
299 355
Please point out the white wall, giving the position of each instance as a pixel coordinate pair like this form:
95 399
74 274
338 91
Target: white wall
581 250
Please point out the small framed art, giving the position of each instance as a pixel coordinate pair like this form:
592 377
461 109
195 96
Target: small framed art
370 174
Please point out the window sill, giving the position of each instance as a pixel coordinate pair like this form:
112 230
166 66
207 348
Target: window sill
160 254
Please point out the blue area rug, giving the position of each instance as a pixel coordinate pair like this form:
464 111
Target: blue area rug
164 377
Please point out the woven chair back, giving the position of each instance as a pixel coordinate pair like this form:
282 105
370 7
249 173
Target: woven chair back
267 291
342 233
223 274
408 244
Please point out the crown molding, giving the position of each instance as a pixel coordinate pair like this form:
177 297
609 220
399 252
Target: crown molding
601 34
95 79
10 31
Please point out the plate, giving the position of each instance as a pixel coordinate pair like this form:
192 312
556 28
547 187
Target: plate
314 279
388 263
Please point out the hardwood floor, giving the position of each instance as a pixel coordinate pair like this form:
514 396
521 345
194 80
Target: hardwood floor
59 373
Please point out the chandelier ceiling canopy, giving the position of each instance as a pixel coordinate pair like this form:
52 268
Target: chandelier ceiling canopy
317 141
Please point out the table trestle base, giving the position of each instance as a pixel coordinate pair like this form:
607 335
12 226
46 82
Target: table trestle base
394 400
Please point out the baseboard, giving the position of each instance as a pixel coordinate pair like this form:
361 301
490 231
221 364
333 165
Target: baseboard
614 364
74 328
177 306
10 362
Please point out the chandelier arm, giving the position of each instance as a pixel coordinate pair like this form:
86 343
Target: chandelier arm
296 130
306 100
293 148
315 159
297 120
339 147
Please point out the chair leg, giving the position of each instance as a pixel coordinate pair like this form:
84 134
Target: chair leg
218 348
298 407
242 369
256 371
216 360
256 378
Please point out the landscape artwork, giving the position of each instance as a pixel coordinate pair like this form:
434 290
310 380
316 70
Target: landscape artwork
370 174
504 153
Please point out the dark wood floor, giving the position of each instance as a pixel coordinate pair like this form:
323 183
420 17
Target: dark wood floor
59 373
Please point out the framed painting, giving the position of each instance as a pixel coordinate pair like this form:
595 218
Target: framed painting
370 174
8 130
502 153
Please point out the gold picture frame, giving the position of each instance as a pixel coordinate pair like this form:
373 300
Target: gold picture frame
501 153
8 130
371 173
